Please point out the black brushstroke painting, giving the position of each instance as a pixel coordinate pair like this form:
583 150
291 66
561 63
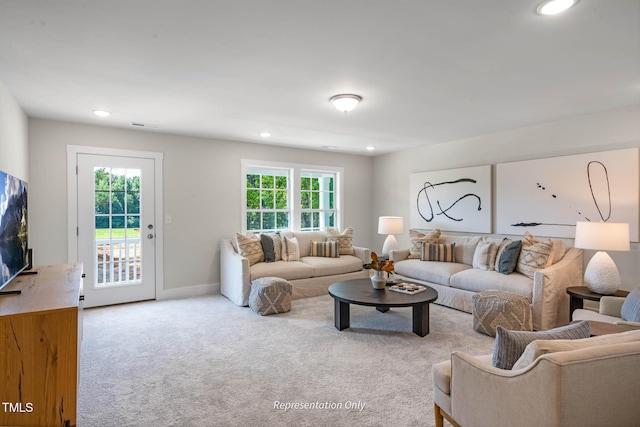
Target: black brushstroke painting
429 214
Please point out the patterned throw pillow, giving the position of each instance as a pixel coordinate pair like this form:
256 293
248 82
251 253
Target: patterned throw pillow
290 249
510 345
484 257
438 252
325 249
271 246
631 307
534 257
250 247
344 239
509 258
417 238
529 239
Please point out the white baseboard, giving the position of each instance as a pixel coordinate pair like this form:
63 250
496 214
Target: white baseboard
189 291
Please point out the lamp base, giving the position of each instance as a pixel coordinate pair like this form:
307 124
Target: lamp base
390 244
601 274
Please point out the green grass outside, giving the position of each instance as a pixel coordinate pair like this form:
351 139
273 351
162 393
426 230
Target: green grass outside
117 233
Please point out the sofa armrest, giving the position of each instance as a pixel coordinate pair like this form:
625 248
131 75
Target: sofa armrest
627 323
235 276
363 253
550 302
399 255
611 306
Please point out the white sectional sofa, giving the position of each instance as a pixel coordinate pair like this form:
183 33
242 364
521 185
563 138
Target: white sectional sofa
310 276
457 282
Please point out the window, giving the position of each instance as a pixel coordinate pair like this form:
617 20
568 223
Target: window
278 196
317 200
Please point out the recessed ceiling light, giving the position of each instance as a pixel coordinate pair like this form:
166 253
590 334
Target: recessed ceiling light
265 134
370 148
345 102
553 7
101 113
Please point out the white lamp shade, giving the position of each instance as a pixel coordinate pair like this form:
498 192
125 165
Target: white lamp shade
390 225
602 236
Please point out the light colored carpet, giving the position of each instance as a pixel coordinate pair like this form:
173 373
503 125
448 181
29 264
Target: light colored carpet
207 362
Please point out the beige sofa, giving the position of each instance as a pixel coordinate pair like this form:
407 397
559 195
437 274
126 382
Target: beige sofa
582 383
457 282
310 276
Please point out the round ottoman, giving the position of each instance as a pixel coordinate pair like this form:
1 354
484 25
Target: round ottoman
270 295
492 308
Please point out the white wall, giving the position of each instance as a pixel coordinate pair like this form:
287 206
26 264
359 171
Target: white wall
202 184
14 144
615 129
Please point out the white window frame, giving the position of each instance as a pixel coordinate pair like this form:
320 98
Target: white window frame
295 172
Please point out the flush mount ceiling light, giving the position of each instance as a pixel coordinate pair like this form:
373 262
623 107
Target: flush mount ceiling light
345 102
553 7
101 113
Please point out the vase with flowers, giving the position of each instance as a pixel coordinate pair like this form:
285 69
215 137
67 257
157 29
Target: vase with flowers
380 269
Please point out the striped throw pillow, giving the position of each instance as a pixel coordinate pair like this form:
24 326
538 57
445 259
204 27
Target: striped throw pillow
325 249
484 258
438 252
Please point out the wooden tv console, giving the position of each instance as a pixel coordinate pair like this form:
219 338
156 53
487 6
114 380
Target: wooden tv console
40 334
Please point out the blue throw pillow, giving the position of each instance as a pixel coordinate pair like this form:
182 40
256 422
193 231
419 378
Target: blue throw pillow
509 258
631 307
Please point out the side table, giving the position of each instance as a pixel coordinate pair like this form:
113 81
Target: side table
578 294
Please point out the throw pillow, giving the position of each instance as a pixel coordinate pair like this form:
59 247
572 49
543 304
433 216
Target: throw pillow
510 345
529 239
344 239
501 247
250 247
416 239
631 307
509 257
484 256
271 246
539 348
290 249
325 249
438 252
534 257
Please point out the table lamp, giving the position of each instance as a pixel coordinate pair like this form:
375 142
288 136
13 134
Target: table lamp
601 274
389 225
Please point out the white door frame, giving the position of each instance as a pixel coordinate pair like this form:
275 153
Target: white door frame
72 201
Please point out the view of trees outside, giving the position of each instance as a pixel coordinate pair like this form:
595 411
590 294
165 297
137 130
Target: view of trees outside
268 206
117 220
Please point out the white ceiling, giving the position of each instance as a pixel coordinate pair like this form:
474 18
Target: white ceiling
429 71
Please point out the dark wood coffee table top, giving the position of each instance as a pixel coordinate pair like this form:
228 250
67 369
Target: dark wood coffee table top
361 292
604 328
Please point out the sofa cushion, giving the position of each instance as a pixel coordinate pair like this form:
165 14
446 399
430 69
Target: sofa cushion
484 257
465 247
286 270
631 306
306 237
510 345
476 280
538 348
271 246
324 249
332 266
509 258
290 249
417 238
438 252
534 257
344 239
250 247
429 271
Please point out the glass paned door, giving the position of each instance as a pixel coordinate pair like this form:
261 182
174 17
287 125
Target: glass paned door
115 228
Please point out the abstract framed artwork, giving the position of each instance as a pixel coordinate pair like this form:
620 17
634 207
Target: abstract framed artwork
548 196
452 199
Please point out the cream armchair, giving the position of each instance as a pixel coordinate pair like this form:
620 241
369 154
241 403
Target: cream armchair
595 385
610 310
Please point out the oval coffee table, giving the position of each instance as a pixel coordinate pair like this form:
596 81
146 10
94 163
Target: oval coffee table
361 292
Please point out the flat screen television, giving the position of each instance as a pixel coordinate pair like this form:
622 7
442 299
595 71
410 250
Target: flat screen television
13 227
